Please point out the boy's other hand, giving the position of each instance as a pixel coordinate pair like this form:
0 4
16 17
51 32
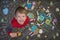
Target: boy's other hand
13 35
32 19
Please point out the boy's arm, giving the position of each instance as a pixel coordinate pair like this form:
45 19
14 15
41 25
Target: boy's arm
9 29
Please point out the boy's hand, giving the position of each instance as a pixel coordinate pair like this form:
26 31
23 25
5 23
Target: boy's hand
13 35
32 19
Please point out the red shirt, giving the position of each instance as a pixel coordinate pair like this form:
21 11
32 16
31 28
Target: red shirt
15 24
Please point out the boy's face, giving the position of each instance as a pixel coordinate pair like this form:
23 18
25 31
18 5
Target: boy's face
20 17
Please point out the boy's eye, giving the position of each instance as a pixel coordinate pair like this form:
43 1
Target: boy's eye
18 16
23 16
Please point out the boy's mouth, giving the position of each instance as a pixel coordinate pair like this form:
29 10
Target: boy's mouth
21 21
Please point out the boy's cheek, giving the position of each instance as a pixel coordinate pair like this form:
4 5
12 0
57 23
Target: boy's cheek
24 19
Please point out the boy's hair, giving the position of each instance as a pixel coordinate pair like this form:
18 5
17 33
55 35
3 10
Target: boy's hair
20 9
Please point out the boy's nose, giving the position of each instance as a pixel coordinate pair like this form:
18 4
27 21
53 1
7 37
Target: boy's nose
21 18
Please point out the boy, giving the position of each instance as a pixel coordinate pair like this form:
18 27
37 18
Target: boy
20 20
